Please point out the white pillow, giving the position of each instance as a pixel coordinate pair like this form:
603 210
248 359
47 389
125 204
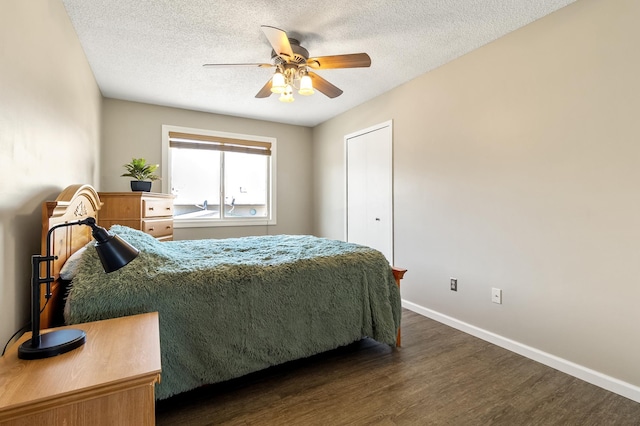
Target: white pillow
70 267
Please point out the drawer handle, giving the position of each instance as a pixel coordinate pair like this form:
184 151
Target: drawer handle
150 208
152 229
168 208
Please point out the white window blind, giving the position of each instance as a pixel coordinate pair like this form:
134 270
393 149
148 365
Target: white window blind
218 143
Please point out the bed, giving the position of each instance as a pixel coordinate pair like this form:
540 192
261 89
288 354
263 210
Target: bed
227 307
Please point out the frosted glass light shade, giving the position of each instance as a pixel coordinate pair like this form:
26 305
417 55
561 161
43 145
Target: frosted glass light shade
306 86
287 95
278 83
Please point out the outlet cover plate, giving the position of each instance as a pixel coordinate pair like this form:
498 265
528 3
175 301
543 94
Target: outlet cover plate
454 284
496 295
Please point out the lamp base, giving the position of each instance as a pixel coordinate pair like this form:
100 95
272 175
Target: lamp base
53 343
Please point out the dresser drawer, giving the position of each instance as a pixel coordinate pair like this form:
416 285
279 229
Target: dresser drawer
158 227
149 212
157 208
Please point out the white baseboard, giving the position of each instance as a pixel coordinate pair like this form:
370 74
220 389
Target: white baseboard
583 373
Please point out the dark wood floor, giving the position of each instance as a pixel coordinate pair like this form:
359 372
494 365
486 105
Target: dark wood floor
440 376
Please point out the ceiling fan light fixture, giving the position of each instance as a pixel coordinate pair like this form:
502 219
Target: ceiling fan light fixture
306 86
291 62
287 95
277 83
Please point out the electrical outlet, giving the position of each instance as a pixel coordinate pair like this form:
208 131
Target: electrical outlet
496 295
454 284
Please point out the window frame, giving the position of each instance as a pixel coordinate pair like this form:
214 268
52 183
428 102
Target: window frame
222 221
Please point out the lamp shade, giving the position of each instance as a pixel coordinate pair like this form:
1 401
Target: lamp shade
278 83
287 95
306 86
114 252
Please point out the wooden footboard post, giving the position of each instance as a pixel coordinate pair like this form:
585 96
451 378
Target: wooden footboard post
398 273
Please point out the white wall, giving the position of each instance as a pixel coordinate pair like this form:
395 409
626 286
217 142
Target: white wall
518 166
49 136
133 129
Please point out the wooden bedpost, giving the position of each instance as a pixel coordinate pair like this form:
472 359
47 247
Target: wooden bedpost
398 273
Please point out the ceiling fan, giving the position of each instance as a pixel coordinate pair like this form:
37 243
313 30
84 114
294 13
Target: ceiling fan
292 63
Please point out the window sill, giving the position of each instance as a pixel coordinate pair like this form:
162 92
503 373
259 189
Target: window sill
213 223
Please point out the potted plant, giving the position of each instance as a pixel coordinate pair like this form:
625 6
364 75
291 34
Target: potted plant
142 173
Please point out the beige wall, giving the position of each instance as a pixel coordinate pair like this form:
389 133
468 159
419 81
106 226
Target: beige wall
518 166
133 129
49 118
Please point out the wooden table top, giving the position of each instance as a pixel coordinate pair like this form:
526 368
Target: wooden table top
117 351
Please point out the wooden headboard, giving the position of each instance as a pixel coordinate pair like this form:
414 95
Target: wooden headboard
76 202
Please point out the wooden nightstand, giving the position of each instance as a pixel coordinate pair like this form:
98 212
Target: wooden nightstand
149 212
107 381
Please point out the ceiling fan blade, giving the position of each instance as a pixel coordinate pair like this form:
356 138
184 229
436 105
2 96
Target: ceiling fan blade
324 86
237 65
278 40
353 60
265 92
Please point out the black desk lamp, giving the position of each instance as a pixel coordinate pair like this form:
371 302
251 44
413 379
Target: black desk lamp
114 253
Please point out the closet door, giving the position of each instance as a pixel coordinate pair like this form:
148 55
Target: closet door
370 188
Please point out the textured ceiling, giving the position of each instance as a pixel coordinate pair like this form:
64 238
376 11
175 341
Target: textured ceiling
152 51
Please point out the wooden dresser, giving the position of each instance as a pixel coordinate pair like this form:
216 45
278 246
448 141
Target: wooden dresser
109 380
150 212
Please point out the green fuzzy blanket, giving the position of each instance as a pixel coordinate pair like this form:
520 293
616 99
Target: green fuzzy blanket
233 306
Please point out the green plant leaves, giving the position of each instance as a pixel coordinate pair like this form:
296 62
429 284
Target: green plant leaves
138 169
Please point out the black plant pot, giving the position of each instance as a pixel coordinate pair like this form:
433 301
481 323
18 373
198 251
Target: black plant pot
140 185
